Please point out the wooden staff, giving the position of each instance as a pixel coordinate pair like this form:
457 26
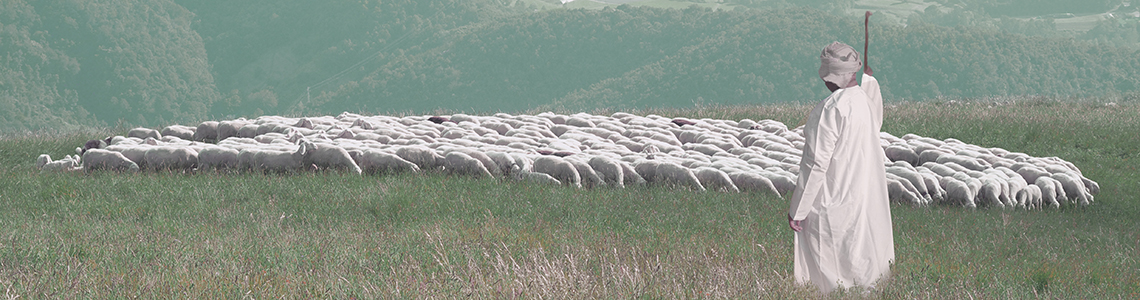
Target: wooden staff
866 40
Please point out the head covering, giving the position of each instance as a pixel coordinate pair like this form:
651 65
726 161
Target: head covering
837 63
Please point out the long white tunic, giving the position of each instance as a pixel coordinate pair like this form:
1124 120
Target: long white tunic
841 193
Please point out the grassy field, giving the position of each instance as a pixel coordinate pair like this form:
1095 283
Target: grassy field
331 235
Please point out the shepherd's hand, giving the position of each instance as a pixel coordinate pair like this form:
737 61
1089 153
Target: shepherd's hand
795 224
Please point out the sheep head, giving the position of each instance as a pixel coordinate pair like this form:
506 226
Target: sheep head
43 160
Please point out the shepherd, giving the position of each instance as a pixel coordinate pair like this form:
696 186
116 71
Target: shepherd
840 210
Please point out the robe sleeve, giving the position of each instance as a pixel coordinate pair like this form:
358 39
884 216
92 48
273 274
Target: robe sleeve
812 186
871 86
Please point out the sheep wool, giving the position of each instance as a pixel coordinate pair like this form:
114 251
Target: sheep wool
100 159
615 151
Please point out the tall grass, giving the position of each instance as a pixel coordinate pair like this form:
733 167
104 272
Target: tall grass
332 235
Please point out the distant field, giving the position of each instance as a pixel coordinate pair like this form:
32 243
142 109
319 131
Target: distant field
651 3
889 11
331 235
1078 23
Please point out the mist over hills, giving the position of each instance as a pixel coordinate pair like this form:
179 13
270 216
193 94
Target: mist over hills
155 62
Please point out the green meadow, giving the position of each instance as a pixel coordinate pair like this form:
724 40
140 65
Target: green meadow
333 235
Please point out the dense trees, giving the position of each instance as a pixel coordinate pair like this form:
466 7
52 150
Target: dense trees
635 56
135 61
30 70
152 62
283 47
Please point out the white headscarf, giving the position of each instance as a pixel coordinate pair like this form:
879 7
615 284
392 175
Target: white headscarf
838 62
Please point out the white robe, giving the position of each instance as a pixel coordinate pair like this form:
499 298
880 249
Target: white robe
841 193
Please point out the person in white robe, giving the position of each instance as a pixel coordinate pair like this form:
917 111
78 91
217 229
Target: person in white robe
840 210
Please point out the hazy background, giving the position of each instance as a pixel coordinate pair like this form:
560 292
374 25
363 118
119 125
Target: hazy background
72 63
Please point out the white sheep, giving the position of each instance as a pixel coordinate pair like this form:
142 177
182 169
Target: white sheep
460 163
629 175
647 169
277 161
901 153
753 155
937 193
67 163
749 181
247 131
940 169
523 161
217 158
1007 193
100 159
328 156
1092 187
180 131
1074 188
715 179
929 155
505 162
42 160
579 122
914 179
206 131
971 163
990 192
422 156
974 184
379 162
898 191
483 158
590 178
1029 172
229 128
143 133
1052 194
170 158
92 144
784 183
675 174
958 192
133 152
534 177
610 170
558 168
1033 197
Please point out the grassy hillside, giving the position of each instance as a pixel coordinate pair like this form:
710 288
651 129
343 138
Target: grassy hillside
79 63
633 57
332 235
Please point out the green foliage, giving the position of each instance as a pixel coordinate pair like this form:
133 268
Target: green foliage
30 68
130 61
286 47
632 57
1025 8
66 64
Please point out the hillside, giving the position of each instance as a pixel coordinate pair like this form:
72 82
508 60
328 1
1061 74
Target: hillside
74 63
80 62
632 57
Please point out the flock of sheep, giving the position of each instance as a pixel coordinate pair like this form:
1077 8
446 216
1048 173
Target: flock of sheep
581 150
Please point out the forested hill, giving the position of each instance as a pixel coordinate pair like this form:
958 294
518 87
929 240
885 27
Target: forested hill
266 53
74 63
644 57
